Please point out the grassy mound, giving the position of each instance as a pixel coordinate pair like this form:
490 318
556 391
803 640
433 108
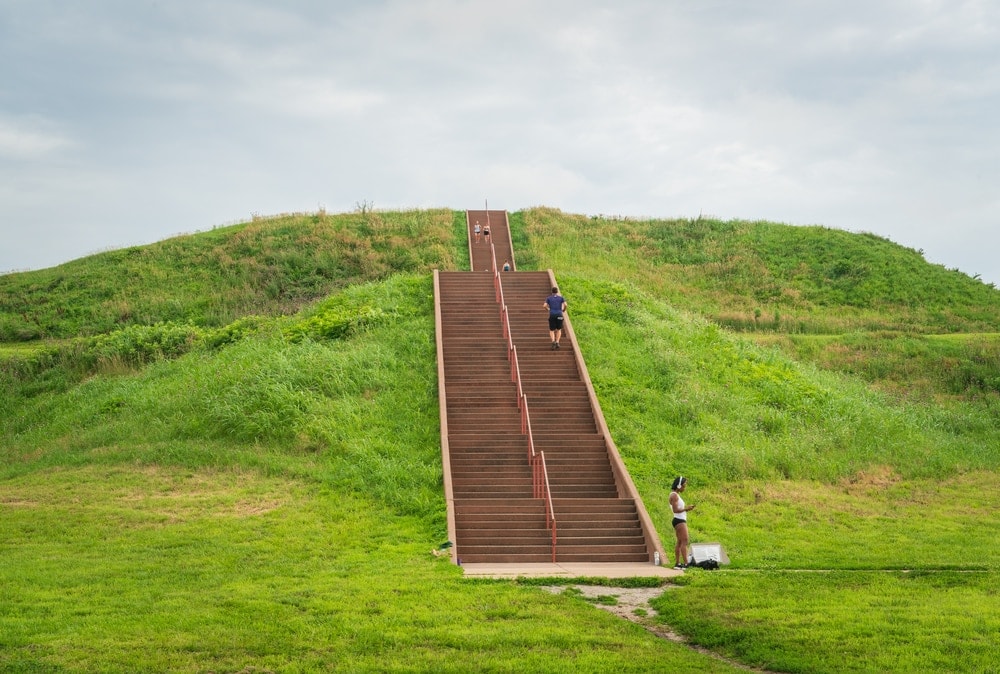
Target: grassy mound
259 488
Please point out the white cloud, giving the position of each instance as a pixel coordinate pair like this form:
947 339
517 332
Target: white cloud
30 140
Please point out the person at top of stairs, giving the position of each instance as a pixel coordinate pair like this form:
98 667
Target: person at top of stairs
556 305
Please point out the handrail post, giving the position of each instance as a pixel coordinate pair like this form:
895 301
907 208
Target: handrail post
554 537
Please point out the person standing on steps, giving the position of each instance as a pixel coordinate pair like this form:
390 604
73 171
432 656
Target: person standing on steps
680 521
486 233
556 305
478 231
506 265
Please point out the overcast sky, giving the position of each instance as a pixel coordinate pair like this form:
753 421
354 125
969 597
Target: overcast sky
125 122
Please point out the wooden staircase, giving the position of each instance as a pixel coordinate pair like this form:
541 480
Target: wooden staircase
495 513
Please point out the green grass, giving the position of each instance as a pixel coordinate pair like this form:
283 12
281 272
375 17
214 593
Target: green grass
270 504
932 367
268 266
753 276
681 395
121 569
301 405
842 621
872 521
261 492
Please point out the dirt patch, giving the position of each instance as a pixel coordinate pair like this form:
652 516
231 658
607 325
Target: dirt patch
251 508
632 604
11 503
875 478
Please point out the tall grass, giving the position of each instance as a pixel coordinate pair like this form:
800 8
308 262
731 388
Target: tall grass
758 275
267 266
322 398
927 367
679 388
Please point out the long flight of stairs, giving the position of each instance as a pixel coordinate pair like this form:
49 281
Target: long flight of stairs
496 516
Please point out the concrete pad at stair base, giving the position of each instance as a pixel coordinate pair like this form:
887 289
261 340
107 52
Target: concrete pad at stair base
569 570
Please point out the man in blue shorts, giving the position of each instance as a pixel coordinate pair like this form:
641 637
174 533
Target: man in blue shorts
556 306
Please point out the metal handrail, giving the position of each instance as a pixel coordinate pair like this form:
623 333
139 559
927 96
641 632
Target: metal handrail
526 429
540 477
515 373
496 285
539 472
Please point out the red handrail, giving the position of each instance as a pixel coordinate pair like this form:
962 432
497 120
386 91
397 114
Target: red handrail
515 373
539 475
539 471
526 430
496 285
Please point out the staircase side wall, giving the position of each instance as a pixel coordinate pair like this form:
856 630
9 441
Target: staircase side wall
449 495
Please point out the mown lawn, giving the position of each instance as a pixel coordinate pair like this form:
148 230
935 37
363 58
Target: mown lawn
154 568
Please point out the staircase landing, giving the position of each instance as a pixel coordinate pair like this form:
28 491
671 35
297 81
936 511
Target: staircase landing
570 570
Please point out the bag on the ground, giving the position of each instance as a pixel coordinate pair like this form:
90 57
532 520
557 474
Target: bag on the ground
707 564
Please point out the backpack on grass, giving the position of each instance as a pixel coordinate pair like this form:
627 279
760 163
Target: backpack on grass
707 564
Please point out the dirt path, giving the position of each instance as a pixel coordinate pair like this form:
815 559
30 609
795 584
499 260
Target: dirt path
632 604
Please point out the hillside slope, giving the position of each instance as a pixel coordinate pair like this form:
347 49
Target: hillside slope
760 275
853 303
268 266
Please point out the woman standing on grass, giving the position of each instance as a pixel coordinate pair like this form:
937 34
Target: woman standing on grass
680 521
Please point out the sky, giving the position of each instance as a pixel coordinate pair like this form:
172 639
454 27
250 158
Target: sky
124 122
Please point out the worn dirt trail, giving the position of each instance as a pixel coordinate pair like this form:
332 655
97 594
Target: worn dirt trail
632 604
